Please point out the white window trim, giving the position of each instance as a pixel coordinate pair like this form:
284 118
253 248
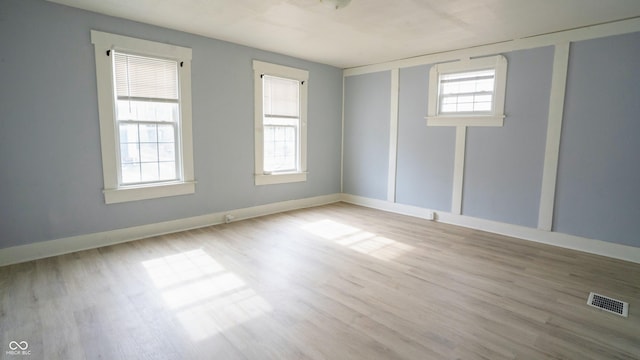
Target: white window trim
498 62
113 193
262 68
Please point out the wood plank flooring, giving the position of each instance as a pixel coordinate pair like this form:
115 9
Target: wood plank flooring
332 282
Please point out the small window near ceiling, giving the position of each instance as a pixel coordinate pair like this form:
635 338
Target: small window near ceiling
468 93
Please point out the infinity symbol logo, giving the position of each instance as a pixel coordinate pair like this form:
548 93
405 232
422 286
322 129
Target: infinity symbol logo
14 345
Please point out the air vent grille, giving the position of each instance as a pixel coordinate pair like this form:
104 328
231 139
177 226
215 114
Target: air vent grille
608 304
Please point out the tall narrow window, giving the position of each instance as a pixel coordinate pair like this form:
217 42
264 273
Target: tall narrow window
145 117
280 124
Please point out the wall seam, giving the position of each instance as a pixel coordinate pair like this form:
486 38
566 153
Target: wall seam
342 136
458 169
393 136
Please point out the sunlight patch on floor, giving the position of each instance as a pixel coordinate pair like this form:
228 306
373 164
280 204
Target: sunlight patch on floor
206 288
223 313
180 268
207 299
357 239
329 229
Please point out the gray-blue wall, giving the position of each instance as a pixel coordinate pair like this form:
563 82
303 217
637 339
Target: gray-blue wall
598 173
598 192
425 154
51 172
503 165
366 134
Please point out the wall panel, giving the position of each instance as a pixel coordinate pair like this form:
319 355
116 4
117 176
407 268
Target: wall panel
366 134
503 168
599 166
51 178
425 154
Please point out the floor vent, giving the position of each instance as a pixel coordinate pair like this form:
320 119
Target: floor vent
608 304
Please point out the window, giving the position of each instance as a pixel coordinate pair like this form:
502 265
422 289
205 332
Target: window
147 107
280 123
144 101
468 93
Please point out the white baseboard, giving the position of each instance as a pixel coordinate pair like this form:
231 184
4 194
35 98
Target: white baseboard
22 253
598 247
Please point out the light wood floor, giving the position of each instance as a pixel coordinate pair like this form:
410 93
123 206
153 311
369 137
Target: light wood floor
333 282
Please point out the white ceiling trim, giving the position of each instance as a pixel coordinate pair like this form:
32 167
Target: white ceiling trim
365 31
586 33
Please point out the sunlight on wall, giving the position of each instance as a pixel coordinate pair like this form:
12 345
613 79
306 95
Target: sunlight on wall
207 299
358 240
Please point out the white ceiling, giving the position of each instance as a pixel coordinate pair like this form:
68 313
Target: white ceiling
366 31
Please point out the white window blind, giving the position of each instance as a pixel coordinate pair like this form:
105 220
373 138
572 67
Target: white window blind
467 92
147 116
281 124
145 78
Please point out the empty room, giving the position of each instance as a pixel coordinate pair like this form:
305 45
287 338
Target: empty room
319 179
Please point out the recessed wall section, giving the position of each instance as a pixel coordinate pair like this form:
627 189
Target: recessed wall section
425 154
599 169
366 134
503 167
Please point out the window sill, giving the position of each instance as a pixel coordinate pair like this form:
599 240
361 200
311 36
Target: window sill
491 120
113 196
262 179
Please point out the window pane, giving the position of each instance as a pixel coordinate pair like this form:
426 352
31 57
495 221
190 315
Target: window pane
149 172
280 148
465 99
166 133
281 96
483 98
129 153
467 87
449 100
485 85
467 92
147 111
149 152
148 133
168 170
130 173
483 106
450 88
166 152
448 108
465 107
128 133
